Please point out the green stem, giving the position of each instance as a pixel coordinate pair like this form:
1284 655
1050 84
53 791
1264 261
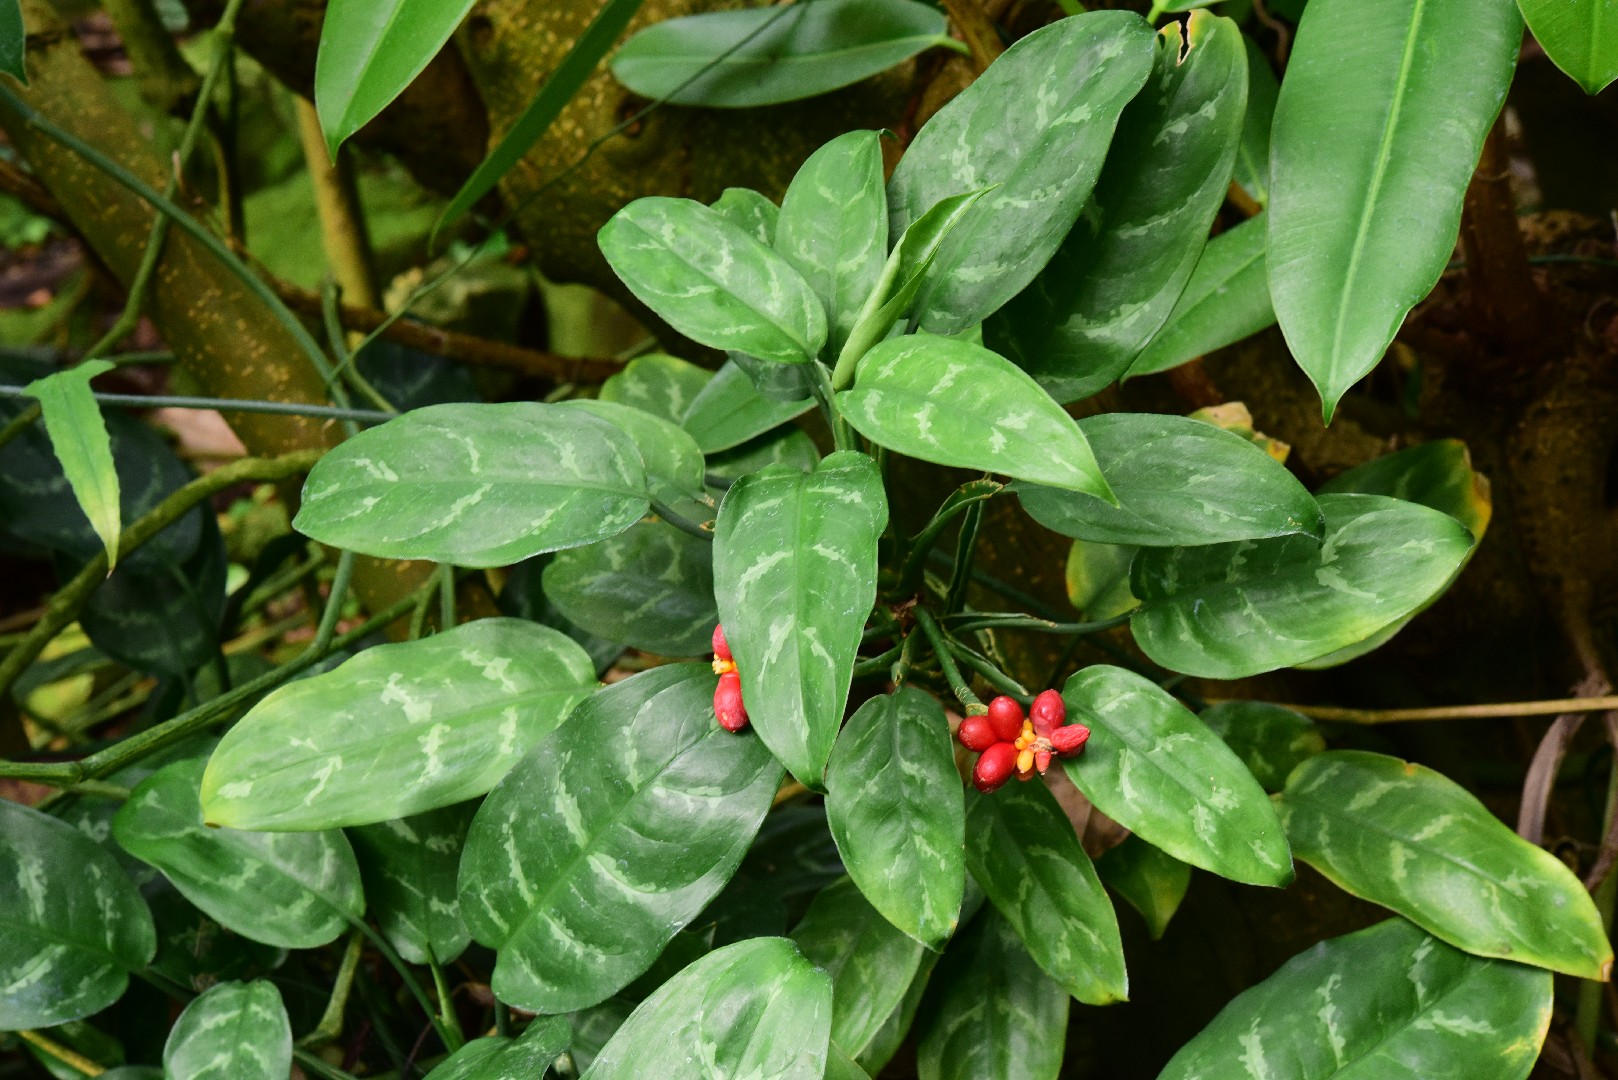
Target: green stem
922 544
876 664
1010 620
446 1003
71 1058
333 611
946 661
313 1064
965 548
446 597
244 405
331 1021
991 674
337 339
681 522
502 1019
902 666
450 1034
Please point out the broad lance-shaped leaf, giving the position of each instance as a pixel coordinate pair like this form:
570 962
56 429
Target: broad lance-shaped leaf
1388 1002
296 890
1366 187
476 485
79 437
234 1031
1157 770
650 588
951 402
713 282
660 384
409 867
672 459
1271 740
1037 123
1149 878
1178 482
795 577
728 411
72 924
1580 37
499 1058
894 804
1227 611
609 837
1117 275
1410 839
397 730
896 1028
749 211
1253 154
1023 851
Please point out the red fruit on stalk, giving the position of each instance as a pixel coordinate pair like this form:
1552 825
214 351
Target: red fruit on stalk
994 767
1069 740
1048 713
721 647
977 733
1005 717
727 702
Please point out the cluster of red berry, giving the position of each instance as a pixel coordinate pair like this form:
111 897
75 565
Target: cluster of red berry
727 697
1007 743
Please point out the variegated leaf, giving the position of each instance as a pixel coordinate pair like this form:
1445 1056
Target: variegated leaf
530 1055
234 1031
795 577
841 1066
671 456
650 587
896 1028
1153 881
409 867
657 383
609 837
750 212
476 485
729 411
1271 740
397 730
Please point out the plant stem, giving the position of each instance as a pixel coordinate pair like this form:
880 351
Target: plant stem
313 1064
71 1058
337 338
1010 620
681 522
169 401
446 597
965 548
992 674
921 545
446 1002
331 1021
876 664
451 1034
946 660
1452 712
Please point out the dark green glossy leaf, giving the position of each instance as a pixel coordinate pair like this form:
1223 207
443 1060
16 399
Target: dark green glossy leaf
1228 611
1253 155
790 448
729 411
235 1031
672 458
1153 881
896 1028
1366 187
594 1027
397 730
751 212
498 1058
12 40
609 837
476 485
72 925
662 385
1117 275
795 854
1226 300
296 890
1580 37
1271 740
756 1008
1408 838
650 588
764 56
79 436
410 867
523 597
1388 1002
795 576
1023 851
894 803
195 951
1438 474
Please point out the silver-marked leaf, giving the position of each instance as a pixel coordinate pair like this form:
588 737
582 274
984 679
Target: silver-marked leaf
1157 770
1179 482
755 1008
730 410
650 588
1226 300
1037 123
397 730
1117 275
1153 881
72 924
529 1055
672 459
1271 740
712 281
896 1028
13 38
609 837
1414 841
1253 155
1438 474
409 867
657 383
895 807
791 448
1227 611
951 402
1023 851
834 227
1580 37
296 890
750 212
234 1031
795 576
476 485
870 963
993 1014
1387 1002
1366 187
79 436
594 1027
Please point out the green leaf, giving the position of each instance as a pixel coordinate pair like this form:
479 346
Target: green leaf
951 402
79 437
72 924
764 56
234 1031
840 1066
1157 770
594 1027
755 1008
713 282
1580 37
476 485
1403 836
1388 1002
397 730
993 1014
795 575
609 837
671 456
896 1028
1226 300
870 963
791 448
834 227
894 804
1253 155
499 1058
13 40
1366 186
1037 123
1117 275
1097 579
1023 851
1227 611
296 890
1438 474
649 588
662 385
729 411
370 50
1271 740
1153 881
751 212
409 867
1178 482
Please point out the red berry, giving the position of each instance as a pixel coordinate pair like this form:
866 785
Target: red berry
994 767
1048 713
976 733
727 702
721 647
1069 740
1005 716
1042 760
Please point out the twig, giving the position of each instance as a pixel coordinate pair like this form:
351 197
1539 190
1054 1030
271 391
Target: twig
946 661
1452 712
71 1058
244 405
